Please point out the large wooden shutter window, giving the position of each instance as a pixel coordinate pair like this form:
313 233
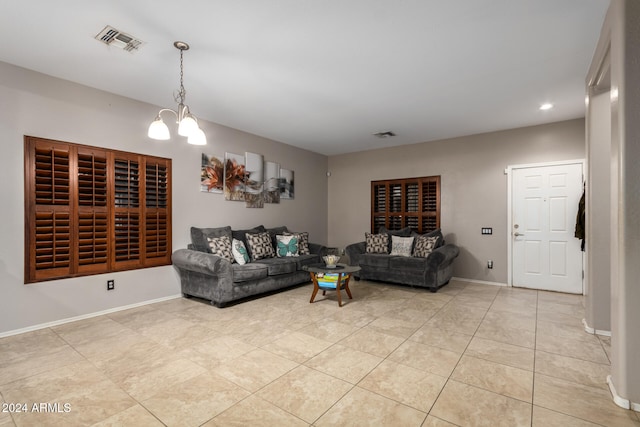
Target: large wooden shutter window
411 202
90 210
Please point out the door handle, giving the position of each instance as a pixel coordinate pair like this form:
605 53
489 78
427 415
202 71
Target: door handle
516 234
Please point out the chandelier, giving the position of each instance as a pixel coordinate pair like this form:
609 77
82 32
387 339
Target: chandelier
187 122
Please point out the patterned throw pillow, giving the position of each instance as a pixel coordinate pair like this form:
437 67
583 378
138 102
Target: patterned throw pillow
377 243
424 245
221 246
239 252
260 246
303 242
401 246
287 245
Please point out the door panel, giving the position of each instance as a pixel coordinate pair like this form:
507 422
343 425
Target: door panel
546 255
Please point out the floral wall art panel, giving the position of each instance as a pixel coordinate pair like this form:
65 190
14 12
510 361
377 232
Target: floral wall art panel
286 184
234 176
271 182
254 180
211 174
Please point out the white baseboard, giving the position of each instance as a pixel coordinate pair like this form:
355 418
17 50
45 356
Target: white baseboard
620 401
481 282
85 316
592 331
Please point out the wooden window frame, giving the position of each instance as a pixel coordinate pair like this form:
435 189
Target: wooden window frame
78 223
406 202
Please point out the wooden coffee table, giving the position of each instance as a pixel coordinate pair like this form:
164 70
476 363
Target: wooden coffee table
342 270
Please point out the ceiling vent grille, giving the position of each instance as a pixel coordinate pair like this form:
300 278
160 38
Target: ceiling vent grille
385 134
112 37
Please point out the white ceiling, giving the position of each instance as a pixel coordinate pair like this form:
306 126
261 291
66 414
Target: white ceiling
325 74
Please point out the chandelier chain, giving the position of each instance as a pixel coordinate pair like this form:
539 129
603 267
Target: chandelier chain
182 93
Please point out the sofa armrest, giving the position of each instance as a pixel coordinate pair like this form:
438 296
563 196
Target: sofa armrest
201 262
315 248
354 251
442 257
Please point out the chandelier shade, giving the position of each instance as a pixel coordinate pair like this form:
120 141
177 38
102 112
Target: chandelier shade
187 122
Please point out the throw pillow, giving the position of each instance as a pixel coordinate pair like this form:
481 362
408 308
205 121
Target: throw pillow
287 245
377 243
401 246
260 246
303 242
221 246
424 245
239 252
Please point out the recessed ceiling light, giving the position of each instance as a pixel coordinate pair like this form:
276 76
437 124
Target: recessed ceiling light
547 106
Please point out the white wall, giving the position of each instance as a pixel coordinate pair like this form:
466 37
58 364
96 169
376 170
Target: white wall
43 106
473 186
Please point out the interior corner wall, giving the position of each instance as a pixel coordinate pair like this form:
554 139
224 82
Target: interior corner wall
598 233
473 187
622 20
43 106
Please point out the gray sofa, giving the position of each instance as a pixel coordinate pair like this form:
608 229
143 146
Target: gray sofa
211 277
431 272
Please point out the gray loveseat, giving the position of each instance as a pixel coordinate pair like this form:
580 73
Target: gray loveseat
214 278
431 272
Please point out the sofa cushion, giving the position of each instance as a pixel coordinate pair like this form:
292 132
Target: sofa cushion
407 263
239 252
286 246
424 245
375 260
273 232
377 243
260 246
242 235
199 237
221 246
303 260
246 272
276 266
401 246
403 232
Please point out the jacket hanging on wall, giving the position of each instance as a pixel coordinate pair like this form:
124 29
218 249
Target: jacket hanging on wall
580 220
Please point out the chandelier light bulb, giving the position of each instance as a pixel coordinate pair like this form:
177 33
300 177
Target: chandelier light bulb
159 130
197 138
187 126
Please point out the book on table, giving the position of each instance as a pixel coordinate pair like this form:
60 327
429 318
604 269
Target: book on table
330 280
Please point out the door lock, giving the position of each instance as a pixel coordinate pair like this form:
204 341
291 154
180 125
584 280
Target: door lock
516 234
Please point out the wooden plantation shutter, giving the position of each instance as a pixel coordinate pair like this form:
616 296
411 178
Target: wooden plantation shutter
157 214
48 225
411 202
90 210
127 204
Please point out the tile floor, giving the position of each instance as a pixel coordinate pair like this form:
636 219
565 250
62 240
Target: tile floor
470 354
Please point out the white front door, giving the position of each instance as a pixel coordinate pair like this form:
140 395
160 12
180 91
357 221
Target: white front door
546 255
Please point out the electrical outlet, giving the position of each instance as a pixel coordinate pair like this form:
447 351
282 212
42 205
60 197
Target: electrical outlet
487 230
489 264
111 284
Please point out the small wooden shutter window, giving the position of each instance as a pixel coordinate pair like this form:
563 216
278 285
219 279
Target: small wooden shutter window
411 202
127 215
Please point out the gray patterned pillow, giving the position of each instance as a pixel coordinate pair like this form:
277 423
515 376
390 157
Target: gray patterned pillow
424 245
221 246
401 246
260 246
377 243
303 242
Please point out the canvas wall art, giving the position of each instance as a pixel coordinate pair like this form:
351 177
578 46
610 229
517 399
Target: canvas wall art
271 182
254 180
211 174
234 176
286 184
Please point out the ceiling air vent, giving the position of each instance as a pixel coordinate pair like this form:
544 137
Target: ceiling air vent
386 134
112 37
